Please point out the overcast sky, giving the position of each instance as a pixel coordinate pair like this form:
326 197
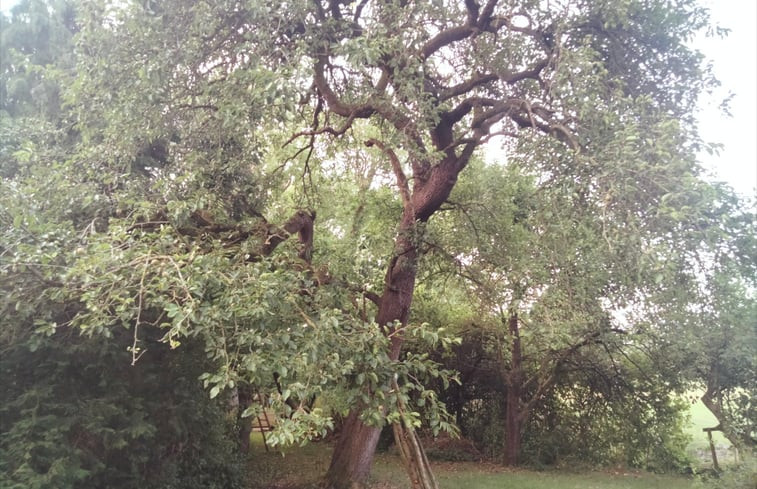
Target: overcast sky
735 64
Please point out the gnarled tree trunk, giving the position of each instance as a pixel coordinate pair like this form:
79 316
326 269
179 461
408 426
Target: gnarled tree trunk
354 451
353 454
713 402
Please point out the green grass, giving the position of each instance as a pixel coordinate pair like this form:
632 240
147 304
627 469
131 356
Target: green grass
303 468
699 447
472 479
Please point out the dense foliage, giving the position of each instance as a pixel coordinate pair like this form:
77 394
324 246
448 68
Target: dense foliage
591 360
204 205
138 268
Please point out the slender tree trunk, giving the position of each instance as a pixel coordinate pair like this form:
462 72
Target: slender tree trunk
514 378
512 430
713 403
713 452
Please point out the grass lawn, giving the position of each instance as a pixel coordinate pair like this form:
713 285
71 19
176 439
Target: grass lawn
471 479
301 468
699 447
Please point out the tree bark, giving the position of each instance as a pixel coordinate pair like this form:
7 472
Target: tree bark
354 451
353 454
514 379
244 392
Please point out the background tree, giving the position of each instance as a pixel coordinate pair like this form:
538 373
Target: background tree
73 415
707 323
578 253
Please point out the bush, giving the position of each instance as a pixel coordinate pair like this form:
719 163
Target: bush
76 415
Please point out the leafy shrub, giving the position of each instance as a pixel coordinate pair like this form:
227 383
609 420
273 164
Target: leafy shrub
75 415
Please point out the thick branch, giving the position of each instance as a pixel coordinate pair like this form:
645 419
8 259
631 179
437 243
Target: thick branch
468 85
473 8
475 23
333 101
302 224
486 15
397 168
404 125
468 150
463 108
532 73
372 296
445 38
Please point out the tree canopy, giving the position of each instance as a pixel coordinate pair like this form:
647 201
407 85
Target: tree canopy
247 197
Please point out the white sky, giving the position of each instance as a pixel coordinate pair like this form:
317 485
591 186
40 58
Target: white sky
735 65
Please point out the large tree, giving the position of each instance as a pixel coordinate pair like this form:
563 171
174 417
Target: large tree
439 80
133 234
580 249
182 109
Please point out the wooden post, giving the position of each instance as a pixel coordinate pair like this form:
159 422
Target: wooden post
714 453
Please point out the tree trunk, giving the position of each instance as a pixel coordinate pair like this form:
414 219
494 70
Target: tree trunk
512 430
354 451
353 454
514 379
244 393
